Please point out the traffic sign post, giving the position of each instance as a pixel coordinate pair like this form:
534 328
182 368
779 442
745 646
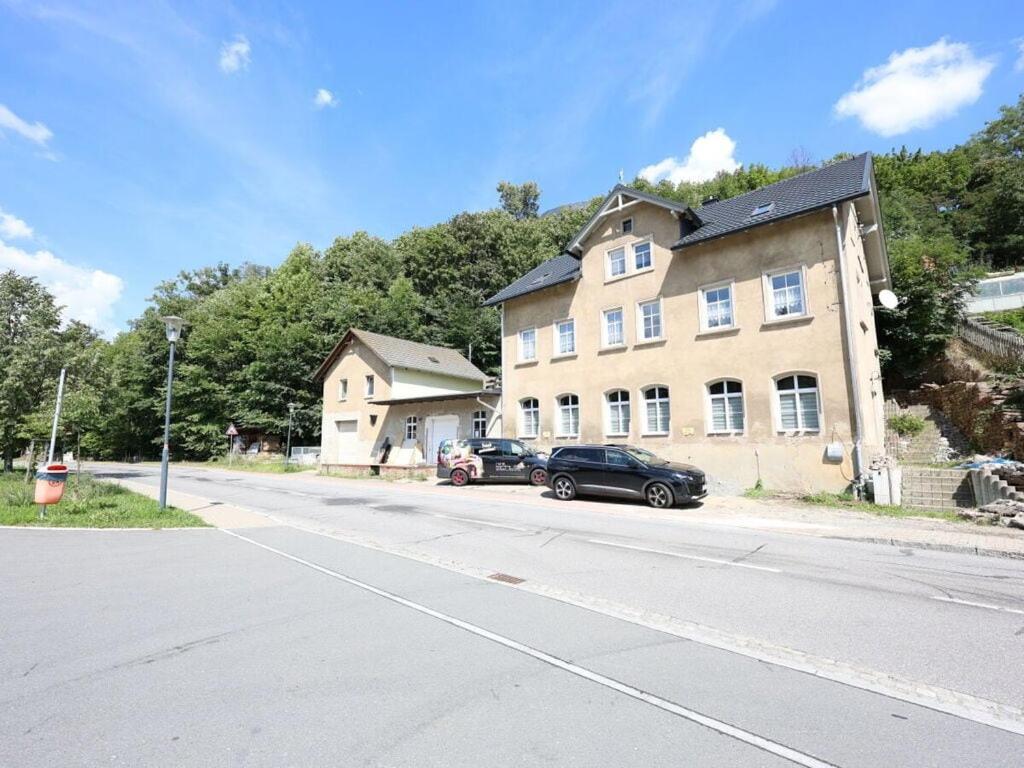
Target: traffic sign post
231 434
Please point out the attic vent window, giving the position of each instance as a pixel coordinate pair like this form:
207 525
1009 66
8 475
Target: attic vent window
540 279
627 226
433 359
762 209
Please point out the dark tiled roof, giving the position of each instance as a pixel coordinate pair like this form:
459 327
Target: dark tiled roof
402 353
815 189
560 269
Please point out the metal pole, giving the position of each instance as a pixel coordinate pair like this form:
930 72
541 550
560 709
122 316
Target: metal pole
56 415
288 448
165 456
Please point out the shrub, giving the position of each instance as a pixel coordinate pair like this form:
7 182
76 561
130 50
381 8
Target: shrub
906 424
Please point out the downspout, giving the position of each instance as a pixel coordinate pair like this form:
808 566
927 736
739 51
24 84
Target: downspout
854 370
500 412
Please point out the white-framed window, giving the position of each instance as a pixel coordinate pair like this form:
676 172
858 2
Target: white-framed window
627 226
343 389
369 386
642 256
785 294
725 406
798 403
648 320
612 330
716 307
479 423
617 403
569 416
529 417
616 262
565 337
412 424
528 344
656 411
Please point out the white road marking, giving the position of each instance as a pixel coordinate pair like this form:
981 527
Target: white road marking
483 522
685 557
747 737
989 606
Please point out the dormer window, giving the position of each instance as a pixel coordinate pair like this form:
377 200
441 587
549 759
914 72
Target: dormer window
627 226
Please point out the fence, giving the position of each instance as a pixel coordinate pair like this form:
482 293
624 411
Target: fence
305 454
994 338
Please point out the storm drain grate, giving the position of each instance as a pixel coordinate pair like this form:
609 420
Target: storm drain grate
505 578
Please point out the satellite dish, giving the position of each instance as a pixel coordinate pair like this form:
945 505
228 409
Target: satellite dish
888 299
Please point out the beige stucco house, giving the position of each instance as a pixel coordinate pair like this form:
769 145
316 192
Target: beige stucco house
738 336
381 390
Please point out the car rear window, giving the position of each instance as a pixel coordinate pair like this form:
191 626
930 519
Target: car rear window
595 455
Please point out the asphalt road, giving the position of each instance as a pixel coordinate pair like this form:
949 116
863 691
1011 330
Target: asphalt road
283 646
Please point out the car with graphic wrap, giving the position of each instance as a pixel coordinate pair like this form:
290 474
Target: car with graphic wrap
487 459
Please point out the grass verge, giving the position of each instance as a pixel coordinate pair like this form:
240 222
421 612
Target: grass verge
277 467
87 503
847 501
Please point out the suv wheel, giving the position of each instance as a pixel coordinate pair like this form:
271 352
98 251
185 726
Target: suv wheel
658 495
564 488
459 477
538 477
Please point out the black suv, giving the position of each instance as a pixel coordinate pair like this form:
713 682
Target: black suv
622 471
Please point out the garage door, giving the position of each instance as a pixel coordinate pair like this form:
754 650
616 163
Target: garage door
348 441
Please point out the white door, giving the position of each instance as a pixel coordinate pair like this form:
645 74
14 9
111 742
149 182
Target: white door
348 441
440 428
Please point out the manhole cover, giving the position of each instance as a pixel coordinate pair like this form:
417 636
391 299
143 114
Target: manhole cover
505 578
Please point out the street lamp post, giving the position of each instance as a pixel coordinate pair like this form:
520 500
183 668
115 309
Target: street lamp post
288 448
172 327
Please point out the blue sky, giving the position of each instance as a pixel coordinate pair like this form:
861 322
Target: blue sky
138 139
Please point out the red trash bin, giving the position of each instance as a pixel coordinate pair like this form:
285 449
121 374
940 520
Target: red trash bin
50 483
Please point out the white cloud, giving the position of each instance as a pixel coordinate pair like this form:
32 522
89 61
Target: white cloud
34 132
709 155
324 98
916 88
234 55
1019 66
13 228
88 295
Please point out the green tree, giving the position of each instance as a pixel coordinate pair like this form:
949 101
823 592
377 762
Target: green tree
520 200
29 321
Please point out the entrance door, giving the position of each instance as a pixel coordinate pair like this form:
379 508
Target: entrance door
439 428
348 441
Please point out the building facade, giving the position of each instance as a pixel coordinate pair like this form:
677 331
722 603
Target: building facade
380 391
738 336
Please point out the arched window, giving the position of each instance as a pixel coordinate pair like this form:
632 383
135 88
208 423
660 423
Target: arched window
411 426
568 416
656 411
617 422
479 423
725 406
529 417
798 403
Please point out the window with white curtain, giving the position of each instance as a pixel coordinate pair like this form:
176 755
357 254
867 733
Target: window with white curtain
529 417
618 412
569 416
649 320
656 411
725 406
612 330
716 307
565 337
785 295
616 262
798 403
528 344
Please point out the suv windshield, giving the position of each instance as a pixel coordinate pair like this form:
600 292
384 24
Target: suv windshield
645 456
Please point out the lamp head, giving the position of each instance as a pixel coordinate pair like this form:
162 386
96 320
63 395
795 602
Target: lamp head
172 326
292 407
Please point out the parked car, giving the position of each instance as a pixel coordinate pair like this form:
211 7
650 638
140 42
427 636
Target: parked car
624 472
490 459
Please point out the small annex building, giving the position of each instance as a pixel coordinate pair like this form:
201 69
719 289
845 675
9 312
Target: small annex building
390 402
